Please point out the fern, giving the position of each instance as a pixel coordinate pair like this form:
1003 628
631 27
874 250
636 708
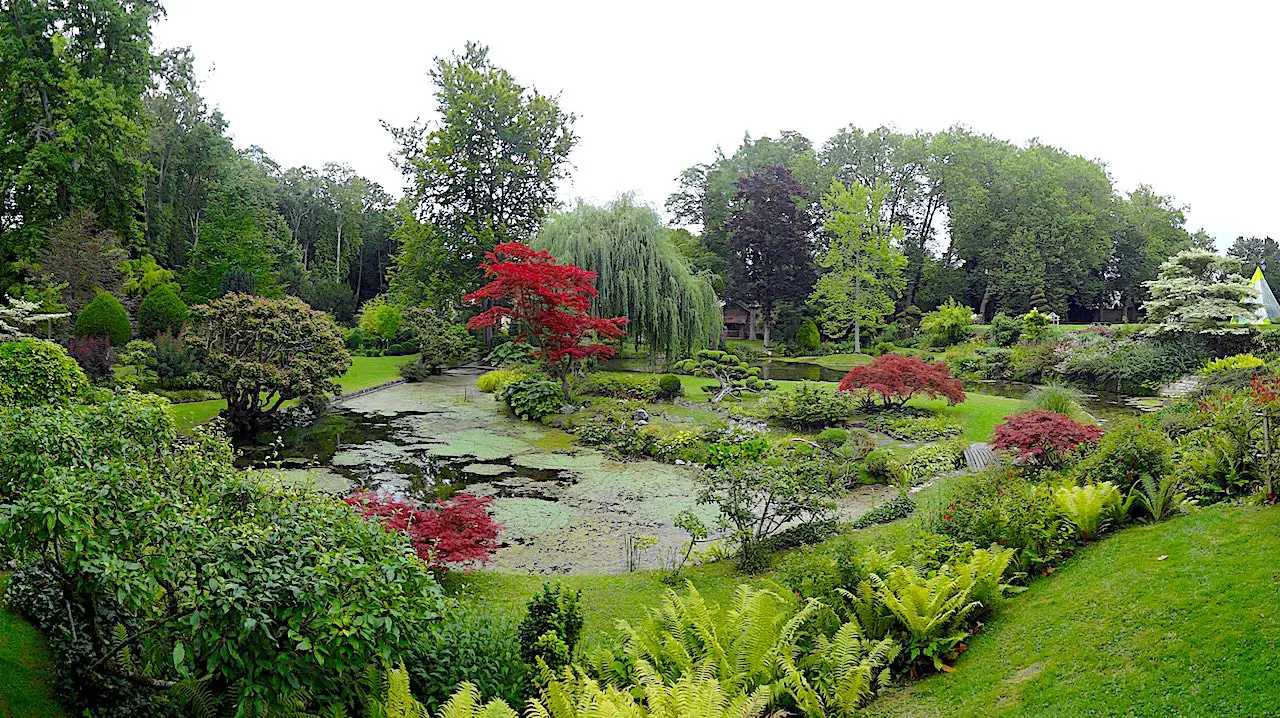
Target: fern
848 668
196 699
1161 498
932 611
1091 508
576 695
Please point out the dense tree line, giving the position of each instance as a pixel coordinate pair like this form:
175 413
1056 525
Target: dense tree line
983 220
114 165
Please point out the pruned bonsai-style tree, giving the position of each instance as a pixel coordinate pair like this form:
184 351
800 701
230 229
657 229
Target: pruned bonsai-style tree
732 375
260 353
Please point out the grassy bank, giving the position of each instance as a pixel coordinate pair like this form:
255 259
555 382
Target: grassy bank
1179 618
26 670
364 373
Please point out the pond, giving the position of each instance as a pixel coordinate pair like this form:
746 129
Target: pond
565 508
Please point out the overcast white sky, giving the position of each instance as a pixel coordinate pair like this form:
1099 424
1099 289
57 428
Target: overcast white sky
1181 96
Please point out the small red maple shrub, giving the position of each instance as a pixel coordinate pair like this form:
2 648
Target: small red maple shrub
452 532
548 303
896 379
1044 437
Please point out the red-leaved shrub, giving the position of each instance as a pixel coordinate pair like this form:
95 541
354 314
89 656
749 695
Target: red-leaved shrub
93 354
452 532
896 379
1044 437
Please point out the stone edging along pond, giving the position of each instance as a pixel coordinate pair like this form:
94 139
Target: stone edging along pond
367 390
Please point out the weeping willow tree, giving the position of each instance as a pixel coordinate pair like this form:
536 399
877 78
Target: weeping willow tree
640 275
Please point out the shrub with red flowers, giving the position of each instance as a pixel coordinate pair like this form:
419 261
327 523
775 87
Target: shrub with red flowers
896 379
452 532
1044 437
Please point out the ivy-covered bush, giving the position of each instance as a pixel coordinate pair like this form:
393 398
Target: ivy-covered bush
532 398
916 428
162 311
35 372
105 318
932 459
809 406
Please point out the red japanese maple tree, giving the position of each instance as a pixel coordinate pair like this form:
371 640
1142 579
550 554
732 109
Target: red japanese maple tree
896 379
453 531
1044 437
548 305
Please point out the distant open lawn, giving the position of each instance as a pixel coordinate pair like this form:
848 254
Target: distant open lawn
26 670
1119 631
605 598
364 373
978 415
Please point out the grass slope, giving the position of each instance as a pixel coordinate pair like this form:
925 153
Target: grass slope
1117 631
364 372
25 670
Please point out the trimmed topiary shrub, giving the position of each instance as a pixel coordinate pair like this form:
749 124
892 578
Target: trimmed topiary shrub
807 338
36 372
669 386
105 318
163 311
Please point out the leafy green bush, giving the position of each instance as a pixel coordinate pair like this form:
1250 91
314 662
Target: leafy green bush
669 386
1034 361
354 339
948 324
532 398
1004 330
469 644
1126 452
551 627
1035 325
882 467
492 381
898 507
807 337
104 317
34 372
809 406
162 311
933 459
914 428
622 385
1002 506
1232 363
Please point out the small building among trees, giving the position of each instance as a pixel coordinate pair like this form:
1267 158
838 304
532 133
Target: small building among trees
740 320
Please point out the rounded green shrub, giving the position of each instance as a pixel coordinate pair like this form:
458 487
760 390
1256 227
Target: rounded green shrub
162 311
1127 452
669 386
807 337
35 372
105 317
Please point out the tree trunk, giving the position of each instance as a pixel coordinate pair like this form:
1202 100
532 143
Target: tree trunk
857 316
766 332
337 257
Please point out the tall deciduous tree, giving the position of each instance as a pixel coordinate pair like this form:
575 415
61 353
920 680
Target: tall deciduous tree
1149 230
547 303
770 241
1254 252
72 117
863 262
486 173
639 275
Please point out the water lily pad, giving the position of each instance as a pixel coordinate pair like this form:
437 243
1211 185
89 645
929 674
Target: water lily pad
487 469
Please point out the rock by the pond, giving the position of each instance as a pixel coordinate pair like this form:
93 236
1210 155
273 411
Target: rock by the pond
641 415
568 409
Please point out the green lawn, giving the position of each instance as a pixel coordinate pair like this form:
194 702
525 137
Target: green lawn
1118 631
25 670
605 598
365 372
836 362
